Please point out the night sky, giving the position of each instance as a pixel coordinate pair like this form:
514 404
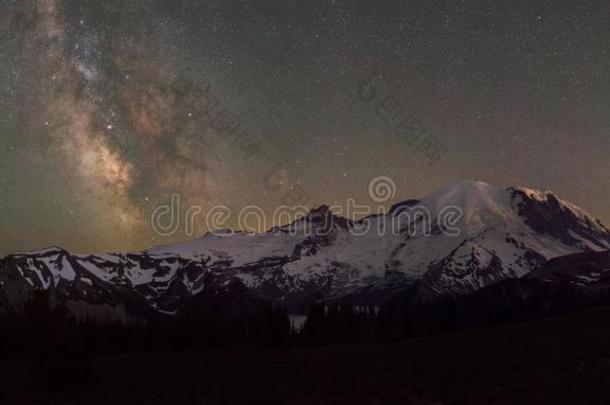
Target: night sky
105 107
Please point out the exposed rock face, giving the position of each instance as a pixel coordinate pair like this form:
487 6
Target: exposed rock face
591 269
500 234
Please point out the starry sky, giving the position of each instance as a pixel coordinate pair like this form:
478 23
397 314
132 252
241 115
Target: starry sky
109 108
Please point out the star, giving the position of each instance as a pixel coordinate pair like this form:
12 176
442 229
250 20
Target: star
112 108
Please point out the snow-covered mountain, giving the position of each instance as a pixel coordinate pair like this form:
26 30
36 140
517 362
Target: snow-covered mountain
493 234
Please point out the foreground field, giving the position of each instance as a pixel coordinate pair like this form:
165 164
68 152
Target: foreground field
555 361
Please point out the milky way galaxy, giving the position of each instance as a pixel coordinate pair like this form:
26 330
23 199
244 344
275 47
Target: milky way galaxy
110 108
114 121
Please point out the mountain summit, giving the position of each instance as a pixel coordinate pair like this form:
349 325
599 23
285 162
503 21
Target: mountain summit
454 241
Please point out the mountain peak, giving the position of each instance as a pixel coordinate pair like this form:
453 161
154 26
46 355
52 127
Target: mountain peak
466 186
42 252
326 217
501 233
322 209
